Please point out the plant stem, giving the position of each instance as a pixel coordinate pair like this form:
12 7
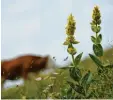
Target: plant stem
96 32
96 35
96 38
73 58
73 61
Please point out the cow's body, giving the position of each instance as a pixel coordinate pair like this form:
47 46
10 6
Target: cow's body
21 66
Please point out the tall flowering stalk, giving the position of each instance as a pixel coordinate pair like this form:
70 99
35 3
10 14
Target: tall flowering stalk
96 28
104 70
97 39
70 40
82 82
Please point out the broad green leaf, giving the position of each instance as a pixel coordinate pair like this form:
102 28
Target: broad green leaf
86 80
98 29
99 22
93 39
96 60
98 50
93 27
77 88
99 39
78 58
75 73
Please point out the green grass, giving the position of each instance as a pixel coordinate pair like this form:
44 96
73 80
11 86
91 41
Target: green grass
53 85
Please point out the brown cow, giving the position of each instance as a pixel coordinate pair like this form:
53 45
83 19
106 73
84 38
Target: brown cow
22 65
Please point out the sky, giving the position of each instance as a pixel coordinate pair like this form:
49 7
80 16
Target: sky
38 26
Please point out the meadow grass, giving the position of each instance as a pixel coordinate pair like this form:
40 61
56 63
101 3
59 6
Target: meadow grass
38 89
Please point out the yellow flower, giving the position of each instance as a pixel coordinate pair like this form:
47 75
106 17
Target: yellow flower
70 39
96 16
70 27
96 20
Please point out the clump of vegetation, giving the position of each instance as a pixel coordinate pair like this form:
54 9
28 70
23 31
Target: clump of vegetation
81 83
104 85
98 85
75 81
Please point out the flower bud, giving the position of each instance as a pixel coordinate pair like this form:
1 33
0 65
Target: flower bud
71 50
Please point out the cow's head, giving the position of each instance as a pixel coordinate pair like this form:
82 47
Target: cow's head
45 63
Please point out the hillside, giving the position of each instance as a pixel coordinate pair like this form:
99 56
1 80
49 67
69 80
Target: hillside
51 84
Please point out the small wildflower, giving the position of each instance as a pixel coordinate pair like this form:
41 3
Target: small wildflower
45 90
50 85
55 73
38 79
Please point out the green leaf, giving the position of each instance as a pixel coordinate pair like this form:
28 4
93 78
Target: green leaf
66 67
99 70
96 60
93 27
75 42
77 88
108 66
66 43
90 95
86 80
99 39
78 58
92 23
98 29
99 22
71 84
75 73
69 92
93 39
98 50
